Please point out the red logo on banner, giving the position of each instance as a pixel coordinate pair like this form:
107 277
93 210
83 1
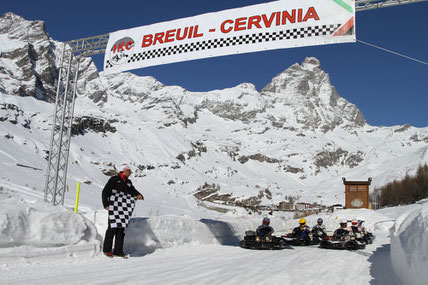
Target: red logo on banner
122 50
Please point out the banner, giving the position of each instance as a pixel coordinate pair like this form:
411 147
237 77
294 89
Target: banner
273 25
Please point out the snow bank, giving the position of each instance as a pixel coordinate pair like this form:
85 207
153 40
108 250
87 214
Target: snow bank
35 229
29 226
146 234
409 244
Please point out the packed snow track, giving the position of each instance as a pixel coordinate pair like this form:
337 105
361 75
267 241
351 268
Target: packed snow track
213 264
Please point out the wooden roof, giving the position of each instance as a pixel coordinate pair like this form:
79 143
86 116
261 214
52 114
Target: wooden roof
368 182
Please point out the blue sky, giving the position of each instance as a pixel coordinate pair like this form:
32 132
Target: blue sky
388 89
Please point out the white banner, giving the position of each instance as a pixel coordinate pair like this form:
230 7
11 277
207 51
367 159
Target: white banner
273 25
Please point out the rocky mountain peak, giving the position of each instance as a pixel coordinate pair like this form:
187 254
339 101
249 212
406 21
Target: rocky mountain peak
16 27
311 64
314 100
128 86
309 71
246 85
28 62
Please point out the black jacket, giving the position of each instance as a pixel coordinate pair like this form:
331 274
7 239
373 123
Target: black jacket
117 183
340 232
318 228
264 230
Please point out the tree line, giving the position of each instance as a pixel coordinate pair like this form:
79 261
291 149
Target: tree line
406 191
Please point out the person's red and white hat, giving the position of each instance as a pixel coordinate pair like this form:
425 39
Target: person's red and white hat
124 167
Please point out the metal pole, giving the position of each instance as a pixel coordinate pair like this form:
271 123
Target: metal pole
61 132
70 123
76 205
57 99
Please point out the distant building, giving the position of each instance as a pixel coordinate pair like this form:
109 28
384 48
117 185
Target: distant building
303 206
357 194
285 206
335 207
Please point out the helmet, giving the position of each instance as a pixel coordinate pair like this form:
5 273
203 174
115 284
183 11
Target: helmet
354 222
302 222
343 223
319 221
266 221
360 222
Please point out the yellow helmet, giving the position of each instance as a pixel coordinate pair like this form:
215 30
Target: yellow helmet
302 222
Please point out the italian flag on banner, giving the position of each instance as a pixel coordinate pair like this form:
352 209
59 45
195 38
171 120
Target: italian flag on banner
348 27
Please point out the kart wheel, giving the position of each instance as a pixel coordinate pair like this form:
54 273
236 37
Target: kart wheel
351 246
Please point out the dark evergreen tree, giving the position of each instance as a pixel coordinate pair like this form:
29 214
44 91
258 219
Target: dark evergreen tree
406 191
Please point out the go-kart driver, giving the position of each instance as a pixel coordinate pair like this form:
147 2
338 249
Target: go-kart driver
302 231
265 228
355 227
319 229
343 230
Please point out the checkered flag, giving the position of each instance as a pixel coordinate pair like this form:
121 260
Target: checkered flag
120 210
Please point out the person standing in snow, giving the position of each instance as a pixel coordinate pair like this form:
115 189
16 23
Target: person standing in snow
118 197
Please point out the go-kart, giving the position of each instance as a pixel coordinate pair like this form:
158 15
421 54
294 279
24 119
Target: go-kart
261 239
294 239
317 236
368 238
349 241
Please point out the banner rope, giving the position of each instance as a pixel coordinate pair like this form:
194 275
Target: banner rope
393 52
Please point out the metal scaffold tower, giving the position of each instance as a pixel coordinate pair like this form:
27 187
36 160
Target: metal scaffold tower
73 52
56 174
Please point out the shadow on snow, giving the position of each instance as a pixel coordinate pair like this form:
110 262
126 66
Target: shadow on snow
222 231
141 240
381 267
136 236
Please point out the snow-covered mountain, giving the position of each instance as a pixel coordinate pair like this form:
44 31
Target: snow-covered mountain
193 151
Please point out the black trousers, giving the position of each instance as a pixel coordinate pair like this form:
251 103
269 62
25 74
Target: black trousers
119 235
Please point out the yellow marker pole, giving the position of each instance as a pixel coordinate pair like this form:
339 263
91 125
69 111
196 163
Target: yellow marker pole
77 197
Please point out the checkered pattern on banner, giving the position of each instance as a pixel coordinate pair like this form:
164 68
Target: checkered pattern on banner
121 206
305 32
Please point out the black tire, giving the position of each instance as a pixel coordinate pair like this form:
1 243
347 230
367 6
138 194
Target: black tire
351 246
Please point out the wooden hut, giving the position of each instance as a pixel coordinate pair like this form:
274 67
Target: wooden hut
357 194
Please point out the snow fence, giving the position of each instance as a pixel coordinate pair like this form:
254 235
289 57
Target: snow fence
409 244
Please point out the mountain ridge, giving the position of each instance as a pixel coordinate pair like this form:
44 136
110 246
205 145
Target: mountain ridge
236 146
